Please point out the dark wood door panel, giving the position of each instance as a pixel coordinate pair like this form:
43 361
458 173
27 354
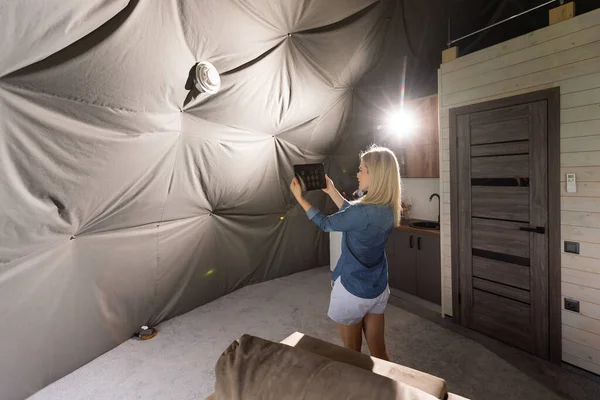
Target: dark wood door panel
502 290
504 170
502 272
515 312
539 217
502 237
511 203
521 111
500 167
497 327
500 149
499 132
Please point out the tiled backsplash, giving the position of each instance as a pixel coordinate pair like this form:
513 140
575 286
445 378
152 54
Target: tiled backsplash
416 191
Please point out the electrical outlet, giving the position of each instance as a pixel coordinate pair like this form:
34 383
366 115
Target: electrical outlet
572 305
571 247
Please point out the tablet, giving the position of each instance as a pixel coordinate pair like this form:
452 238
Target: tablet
310 176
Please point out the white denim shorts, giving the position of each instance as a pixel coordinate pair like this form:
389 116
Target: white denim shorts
348 309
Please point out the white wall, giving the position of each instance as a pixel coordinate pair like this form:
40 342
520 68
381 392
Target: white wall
417 192
565 55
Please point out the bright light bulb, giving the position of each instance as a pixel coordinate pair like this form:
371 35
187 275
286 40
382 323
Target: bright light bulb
402 122
213 76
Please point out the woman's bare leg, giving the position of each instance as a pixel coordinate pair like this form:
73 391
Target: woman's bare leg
374 327
351 336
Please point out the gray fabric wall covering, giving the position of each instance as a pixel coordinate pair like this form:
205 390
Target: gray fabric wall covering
128 198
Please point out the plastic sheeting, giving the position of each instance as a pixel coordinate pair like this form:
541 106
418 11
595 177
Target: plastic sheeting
127 196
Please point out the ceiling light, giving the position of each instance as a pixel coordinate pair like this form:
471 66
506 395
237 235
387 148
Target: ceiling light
402 122
207 78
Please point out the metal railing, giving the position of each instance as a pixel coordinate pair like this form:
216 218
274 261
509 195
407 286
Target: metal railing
451 42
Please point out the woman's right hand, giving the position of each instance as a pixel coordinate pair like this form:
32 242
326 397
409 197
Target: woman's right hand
330 189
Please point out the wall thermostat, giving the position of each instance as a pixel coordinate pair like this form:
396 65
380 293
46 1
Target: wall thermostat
571 184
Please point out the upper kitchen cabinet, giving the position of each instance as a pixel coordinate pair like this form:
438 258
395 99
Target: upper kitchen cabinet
418 149
422 144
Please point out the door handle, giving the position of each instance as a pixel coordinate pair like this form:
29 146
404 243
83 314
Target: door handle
410 242
538 229
419 243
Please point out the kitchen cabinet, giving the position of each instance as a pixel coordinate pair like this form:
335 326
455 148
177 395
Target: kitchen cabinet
422 146
414 264
418 150
422 161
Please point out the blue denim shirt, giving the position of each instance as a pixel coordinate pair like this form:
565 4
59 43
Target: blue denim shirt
363 265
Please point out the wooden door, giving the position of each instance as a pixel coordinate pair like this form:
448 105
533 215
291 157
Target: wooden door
501 222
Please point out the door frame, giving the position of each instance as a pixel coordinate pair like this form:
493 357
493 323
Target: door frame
552 96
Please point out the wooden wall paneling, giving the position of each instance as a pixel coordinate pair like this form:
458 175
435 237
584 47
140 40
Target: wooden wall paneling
581 278
543 49
522 83
581 321
584 293
578 81
502 95
579 114
583 219
583 98
574 203
581 128
574 145
582 351
587 309
579 84
584 189
562 13
582 337
584 174
543 35
579 263
571 55
583 159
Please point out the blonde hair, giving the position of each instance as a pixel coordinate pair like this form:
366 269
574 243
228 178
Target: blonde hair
384 173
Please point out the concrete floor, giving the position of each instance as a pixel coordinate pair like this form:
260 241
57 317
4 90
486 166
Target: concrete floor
179 362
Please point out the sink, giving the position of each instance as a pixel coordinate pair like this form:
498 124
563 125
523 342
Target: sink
425 225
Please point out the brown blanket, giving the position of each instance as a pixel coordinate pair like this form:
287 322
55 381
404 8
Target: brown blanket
254 368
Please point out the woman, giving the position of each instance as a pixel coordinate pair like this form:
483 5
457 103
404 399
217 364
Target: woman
360 279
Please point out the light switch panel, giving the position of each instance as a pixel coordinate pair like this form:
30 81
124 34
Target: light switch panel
571 184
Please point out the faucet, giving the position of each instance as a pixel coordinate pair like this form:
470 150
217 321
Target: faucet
438 197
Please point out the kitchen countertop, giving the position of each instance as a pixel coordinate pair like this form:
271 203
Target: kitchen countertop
404 226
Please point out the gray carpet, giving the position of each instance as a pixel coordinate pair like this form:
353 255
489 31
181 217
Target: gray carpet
178 363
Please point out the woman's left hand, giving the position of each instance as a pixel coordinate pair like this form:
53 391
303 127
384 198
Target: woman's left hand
296 188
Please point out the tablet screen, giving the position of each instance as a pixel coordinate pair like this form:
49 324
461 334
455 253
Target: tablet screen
310 176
